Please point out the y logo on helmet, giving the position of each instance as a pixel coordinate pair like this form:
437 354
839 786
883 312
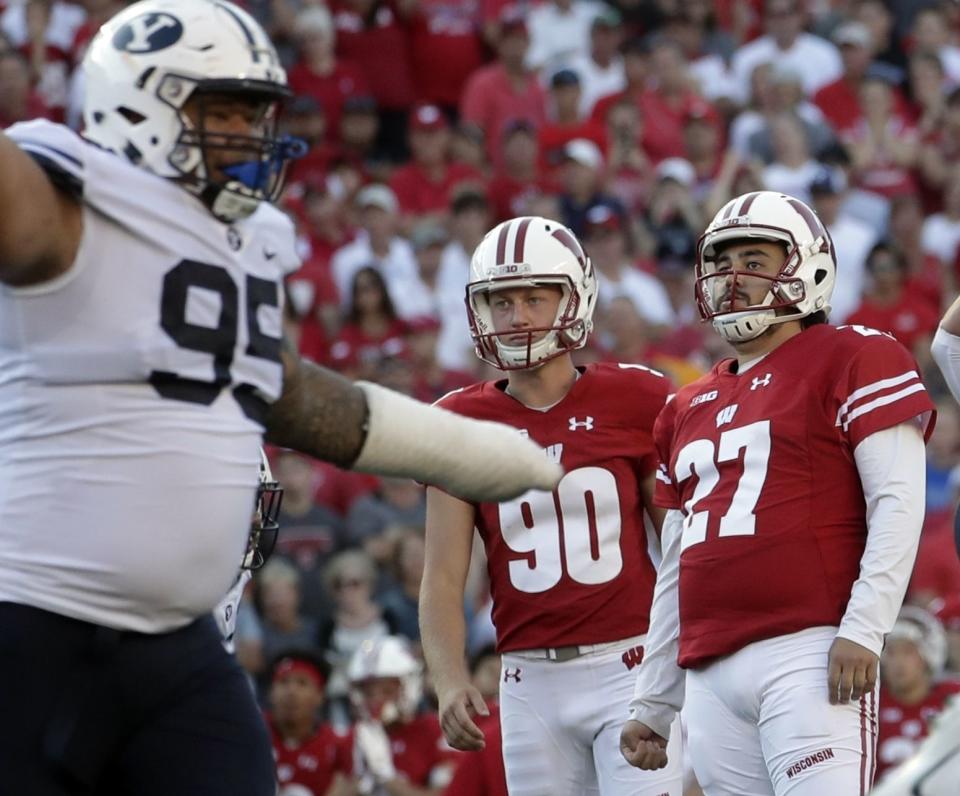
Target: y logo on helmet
148 33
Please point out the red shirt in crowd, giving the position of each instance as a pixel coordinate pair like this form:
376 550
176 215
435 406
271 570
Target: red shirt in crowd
482 773
418 193
553 137
445 32
313 763
510 196
418 748
331 91
909 319
381 49
839 102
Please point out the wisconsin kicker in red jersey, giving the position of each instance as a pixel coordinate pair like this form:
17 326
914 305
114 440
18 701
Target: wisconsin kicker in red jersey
570 573
793 476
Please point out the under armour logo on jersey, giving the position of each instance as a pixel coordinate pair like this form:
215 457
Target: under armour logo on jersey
726 414
584 424
514 675
632 657
269 254
758 382
148 33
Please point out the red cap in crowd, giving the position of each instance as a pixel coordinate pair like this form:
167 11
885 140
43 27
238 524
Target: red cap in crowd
287 666
602 217
428 118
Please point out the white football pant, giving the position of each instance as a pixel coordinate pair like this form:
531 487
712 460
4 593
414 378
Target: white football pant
561 725
759 723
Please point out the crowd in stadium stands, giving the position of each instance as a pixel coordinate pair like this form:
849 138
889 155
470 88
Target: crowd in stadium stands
631 121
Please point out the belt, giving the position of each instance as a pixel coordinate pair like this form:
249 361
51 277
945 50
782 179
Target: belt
573 651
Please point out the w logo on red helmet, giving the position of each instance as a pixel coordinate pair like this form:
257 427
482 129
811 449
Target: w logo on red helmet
632 657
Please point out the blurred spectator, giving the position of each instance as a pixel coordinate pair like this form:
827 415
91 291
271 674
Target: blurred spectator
401 601
943 458
852 239
304 118
911 693
307 750
708 48
793 167
941 231
350 578
735 177
373 34
311 533
18 101
932 33
518 177
282 619
840 100
628 167
673 219
559 32
431 379
45 31
423 186
444 32
506 90
372 329
565 122
947 610
636 73
582 176
601 70
398 501
783 94
880 22
318 73
786 44
395 742
926 93
668 101
940 150
313 295
377 245
929 280
356 143
702 149
883 148
889 307
468 147
606 241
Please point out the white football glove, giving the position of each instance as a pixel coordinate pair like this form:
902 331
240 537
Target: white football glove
373 745
476 460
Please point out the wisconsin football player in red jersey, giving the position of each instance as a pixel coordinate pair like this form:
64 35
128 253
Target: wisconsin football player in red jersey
570 573
793 475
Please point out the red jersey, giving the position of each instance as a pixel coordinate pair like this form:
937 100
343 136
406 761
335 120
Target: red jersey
418 193
314 762
903 727
910 319
418 748
761 465
572 567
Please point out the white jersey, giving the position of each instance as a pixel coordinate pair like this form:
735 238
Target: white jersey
132 391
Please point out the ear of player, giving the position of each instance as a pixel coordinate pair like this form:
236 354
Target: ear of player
473 459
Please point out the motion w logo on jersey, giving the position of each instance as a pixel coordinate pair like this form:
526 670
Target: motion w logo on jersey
632 657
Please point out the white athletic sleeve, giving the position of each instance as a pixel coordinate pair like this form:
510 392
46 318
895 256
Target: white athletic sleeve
946 351
659 690
892 467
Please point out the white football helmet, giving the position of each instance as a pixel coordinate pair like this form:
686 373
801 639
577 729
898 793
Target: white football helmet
150 59
386 657
923 629
265 526
530 252
804 283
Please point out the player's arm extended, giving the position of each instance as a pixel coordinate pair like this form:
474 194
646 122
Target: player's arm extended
892 468
946 348
449 537
372 429
40 226
660 687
